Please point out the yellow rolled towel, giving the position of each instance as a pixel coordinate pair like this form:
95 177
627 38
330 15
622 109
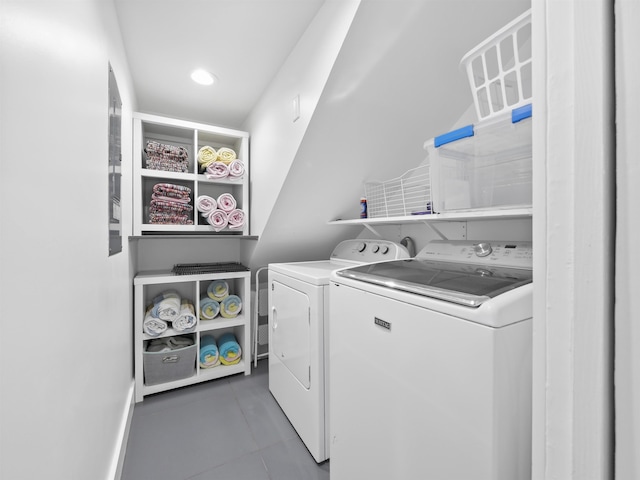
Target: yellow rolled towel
206 156
226 155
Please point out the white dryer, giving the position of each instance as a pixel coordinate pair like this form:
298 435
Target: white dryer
431 365
299 335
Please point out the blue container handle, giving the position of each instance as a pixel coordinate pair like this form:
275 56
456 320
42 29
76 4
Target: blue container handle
520 113
453 136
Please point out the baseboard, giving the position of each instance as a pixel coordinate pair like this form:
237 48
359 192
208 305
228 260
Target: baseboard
121 449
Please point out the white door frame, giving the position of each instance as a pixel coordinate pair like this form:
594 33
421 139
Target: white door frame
573 235
627 313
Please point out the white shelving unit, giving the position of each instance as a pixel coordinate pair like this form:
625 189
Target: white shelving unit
192 136
148 285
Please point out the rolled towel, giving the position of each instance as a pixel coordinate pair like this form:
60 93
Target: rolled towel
236 219
229 348
231 306
186 320
226 155
166 306
226 202
209 354
206 204
218 219
206 156
217 170
218 290
236 169
153 326
209 308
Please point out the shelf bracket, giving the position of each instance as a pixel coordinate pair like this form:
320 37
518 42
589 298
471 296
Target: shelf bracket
373 230
435 230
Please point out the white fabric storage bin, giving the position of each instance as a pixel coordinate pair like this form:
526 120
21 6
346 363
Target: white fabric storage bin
486 166
162 367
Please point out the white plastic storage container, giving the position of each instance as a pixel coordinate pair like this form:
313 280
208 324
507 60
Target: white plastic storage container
485 166
499 69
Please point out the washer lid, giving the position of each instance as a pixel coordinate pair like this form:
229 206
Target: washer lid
464 284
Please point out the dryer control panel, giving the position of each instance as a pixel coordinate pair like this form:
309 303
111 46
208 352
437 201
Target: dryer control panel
490 253
369 251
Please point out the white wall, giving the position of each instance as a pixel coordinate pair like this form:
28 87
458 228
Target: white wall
66 356
395 84
573 233
627 362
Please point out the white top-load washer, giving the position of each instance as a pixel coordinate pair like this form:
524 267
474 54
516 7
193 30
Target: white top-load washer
298 335
431 365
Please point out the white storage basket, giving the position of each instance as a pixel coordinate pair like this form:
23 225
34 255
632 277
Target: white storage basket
499 69
409 194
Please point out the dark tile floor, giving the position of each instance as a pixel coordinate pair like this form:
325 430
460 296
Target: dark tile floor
231 428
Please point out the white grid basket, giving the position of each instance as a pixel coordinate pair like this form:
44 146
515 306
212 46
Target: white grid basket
499 69
409 194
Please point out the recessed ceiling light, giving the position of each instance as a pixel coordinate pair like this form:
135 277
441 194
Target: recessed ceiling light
203 77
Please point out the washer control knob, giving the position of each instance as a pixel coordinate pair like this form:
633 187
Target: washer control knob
376 248
361 246
483 249
384 250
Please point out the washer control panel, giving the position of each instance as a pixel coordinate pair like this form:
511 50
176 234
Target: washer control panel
369 251
499 253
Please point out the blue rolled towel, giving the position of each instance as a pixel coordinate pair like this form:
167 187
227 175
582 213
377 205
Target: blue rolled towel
231 306
218 290
229 348
209 308
209 353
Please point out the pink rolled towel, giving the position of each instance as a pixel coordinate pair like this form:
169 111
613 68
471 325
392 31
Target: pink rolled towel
206 204
218 219
217 170
236 169
236 219
226 202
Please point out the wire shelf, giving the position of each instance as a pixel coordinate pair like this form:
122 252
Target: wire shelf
200 268
409 194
